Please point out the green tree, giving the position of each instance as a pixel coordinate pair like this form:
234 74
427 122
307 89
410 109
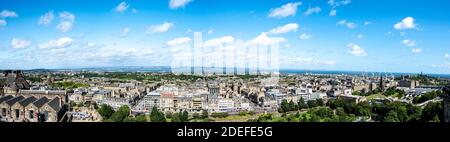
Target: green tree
312 103
196 116
105 111
121 114
184 116
342 116
169 115
204 114
314 118
176 117
284 106
301 103
141 118
324 112
292 106
391 116
432 110
402 114
363 109
156 115
320 102
427 96
414 113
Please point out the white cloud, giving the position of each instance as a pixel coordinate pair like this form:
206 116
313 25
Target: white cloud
349 25
312 10
305 36
333 12
416 50
287 45
188 30
65 26
67 20
210 31
58 43
342 22
389 33
265 40
125 32
20 43
447 55
2 22
327 62
407 23
356 50
367 23
359 36
134 10
291 27
217 42
334 4
408 42
302 60
46 19
159 28
175 4
444 65
91 44
122 7
67 16
8 14
178 41
289 9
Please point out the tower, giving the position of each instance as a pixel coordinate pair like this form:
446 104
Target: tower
381 83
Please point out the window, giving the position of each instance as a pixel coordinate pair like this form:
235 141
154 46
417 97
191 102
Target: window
3 111
31 113
46 115
17 113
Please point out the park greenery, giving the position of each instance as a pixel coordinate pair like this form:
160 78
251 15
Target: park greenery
68 85
340 110
375 91
392 91
121 115
425 79
301 104
219 114
427 96
157 116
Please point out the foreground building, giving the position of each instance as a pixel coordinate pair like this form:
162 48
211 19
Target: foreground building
20 104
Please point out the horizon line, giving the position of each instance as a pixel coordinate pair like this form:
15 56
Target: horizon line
280 70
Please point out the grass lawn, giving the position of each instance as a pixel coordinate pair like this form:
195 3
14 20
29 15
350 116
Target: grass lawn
374 96
235 118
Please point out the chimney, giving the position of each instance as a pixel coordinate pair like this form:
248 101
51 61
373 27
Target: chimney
7 72
18 73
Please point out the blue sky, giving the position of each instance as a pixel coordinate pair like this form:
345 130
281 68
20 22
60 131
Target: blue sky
356 35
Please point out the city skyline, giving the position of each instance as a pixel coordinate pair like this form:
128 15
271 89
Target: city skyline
380 36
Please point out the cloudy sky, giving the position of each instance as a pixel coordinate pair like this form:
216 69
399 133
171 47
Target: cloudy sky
356 35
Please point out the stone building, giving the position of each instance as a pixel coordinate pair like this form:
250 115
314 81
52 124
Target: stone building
20 104
31 109
12 82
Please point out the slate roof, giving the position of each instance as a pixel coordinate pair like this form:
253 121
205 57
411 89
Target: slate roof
14 100
27 101
5 98
55 104
39 103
